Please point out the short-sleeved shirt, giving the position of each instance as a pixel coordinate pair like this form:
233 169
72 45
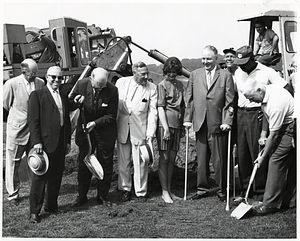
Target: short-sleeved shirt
265 42
278 106
262 74
171 98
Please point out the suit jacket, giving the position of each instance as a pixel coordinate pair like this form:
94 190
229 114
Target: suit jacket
44 119
15 100
141 121
106 113
212 103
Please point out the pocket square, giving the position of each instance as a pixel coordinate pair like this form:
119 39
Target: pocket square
104 105
144 100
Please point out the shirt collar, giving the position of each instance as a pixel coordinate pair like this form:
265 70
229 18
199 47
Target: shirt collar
52 90
26 81
211 71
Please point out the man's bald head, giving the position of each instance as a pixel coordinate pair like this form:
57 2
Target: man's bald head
99 78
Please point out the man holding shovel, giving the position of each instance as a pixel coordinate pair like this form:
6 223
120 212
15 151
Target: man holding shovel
250 122
99 100
280 191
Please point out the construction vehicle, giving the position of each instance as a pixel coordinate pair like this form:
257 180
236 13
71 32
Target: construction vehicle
67 42
72 45
285 23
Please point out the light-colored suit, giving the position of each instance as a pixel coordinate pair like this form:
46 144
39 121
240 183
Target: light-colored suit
15 100
134 125
208 108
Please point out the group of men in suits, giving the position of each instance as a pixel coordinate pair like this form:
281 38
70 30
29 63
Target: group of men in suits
43 115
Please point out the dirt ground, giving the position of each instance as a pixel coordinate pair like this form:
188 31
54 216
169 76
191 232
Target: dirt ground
204 218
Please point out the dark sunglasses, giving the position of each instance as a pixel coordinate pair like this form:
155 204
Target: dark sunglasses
54 77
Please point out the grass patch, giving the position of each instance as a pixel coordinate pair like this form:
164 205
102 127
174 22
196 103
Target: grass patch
204 218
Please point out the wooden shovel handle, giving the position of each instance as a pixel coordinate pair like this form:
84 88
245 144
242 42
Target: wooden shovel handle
252 176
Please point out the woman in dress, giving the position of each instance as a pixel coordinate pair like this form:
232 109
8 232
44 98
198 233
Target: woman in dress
170 124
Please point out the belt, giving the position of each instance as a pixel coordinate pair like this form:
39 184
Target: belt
249 108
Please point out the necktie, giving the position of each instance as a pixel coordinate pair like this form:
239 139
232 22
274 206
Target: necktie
208 79
95 99
59 105
29 87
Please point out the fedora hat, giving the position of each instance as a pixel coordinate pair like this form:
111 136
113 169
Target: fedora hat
38 163
146 152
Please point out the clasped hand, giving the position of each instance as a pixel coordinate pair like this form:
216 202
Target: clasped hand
259 160
90 126
38 148
187 125
225 127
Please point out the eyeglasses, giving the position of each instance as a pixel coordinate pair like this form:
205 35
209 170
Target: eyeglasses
54 77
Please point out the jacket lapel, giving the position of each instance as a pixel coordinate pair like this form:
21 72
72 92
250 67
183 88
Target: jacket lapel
89 93
49 95
216 76
125 93
139 96
63 102
23 86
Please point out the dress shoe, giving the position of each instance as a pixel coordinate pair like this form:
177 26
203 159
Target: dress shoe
15 201
79 202
263 210
222 197
198 196
54 211
103 201
35 218
126 196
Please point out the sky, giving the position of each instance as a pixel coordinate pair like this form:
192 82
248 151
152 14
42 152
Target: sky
175 28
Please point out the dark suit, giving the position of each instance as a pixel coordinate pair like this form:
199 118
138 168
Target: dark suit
103 136
208 109
45 128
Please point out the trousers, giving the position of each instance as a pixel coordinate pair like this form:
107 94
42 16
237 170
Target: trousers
140 172
14 153
104 154
248 129
47 186
281 181
211 146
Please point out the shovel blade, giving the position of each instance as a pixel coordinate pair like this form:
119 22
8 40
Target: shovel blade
94 166
240 210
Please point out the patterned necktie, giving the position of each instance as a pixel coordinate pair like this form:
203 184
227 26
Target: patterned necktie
208 79
96 99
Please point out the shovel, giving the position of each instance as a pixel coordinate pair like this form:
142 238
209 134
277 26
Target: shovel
243 208
90 159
